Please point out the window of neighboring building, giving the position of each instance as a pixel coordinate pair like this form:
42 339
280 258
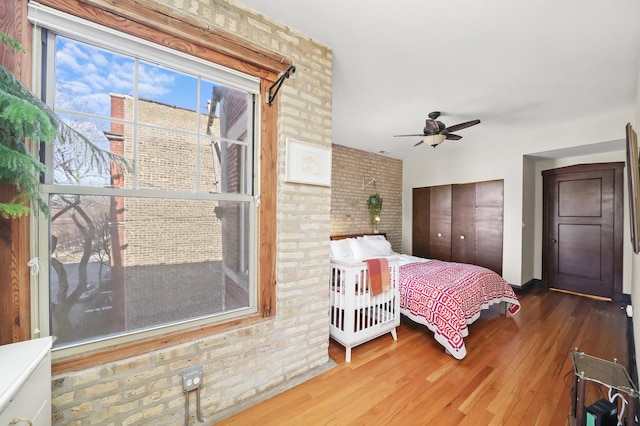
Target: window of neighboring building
171 243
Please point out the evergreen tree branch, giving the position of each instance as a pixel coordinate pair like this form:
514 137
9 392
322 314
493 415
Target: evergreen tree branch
23 116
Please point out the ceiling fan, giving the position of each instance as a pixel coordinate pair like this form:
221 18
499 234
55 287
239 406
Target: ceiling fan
435 132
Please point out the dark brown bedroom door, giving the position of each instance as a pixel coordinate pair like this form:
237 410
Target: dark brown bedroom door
489 224
432 222
440 223
463 223
420 237
583 229
460 223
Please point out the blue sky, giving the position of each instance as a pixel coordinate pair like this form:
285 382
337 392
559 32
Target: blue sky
85 75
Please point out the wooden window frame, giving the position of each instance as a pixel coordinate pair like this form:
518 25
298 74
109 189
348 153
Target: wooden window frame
162 25
15 318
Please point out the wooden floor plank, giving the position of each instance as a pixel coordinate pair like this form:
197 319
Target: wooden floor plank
517 371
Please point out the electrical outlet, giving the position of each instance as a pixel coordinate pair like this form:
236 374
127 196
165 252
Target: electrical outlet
191 379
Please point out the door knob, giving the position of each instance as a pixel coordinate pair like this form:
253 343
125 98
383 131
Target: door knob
554 241
439 234
462 237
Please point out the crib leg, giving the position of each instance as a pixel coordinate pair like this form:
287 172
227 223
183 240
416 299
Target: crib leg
394 334
348 355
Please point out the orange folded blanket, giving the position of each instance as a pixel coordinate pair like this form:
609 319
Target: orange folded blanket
379 279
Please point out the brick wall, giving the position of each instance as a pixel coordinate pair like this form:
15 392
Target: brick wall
167 161
241 365
349 214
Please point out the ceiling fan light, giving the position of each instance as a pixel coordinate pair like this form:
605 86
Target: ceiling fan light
434 140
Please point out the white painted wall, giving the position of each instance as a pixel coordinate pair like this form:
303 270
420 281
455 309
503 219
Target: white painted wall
529 208
635 263
463 162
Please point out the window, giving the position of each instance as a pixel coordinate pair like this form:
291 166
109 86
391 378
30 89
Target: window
171 242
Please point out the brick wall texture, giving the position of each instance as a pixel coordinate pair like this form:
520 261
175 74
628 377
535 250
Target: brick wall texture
166 160
351 169
238 365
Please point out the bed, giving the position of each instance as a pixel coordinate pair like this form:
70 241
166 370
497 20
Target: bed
444 296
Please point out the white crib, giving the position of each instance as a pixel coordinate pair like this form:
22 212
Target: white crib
356 316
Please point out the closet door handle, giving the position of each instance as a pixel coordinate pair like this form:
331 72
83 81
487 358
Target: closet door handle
554 241
439 234
462 237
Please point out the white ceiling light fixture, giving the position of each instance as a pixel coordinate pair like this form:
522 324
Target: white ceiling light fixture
433 140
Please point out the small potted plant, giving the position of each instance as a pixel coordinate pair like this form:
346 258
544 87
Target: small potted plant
374 204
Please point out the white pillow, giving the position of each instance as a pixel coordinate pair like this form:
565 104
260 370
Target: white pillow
363 250
340 249
380 245
373 237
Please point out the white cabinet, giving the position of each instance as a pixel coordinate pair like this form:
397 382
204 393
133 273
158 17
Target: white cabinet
25 383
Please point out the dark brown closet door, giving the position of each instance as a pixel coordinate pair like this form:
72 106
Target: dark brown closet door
489 224
583 224
463 223
420 238
440 223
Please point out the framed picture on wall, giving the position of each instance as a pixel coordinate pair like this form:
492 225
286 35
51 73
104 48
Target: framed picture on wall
633 184
307 163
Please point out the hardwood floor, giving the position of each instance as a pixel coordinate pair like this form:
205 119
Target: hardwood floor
517 371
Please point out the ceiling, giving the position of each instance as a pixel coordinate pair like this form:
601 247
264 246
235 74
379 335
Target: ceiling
518 66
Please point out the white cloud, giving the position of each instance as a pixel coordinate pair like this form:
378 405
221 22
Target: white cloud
154 82
85 75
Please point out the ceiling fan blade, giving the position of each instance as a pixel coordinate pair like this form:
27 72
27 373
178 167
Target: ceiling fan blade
461 126
418 143
453 137
401 136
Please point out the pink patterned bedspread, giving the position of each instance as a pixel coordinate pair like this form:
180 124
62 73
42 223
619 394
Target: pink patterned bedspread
447 296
